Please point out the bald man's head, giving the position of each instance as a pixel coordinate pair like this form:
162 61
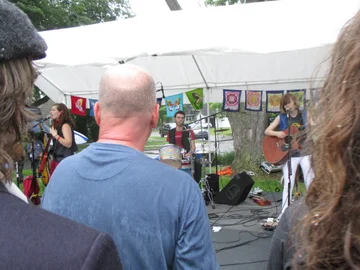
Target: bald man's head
126 90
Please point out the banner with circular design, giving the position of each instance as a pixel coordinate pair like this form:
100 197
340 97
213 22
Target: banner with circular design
231 100
253 101
273 101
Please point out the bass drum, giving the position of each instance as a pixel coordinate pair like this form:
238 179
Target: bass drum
170 154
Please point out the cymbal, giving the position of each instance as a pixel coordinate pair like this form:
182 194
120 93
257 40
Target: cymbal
221 130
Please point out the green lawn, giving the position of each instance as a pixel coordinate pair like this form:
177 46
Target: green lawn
262 180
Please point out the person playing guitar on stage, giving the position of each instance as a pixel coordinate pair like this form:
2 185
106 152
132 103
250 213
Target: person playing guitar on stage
290 113
62 131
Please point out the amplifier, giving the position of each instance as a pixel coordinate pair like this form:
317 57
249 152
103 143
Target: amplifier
270 168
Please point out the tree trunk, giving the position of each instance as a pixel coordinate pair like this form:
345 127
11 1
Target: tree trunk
173 5
248 132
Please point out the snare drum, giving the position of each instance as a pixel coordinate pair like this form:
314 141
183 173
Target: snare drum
186 167
171 154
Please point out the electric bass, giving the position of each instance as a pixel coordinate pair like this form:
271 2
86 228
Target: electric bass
43 171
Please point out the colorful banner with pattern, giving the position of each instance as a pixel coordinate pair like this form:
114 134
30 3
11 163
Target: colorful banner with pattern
173 104
273 100
91 105
78 105
300 95
253 100
231 100
196 98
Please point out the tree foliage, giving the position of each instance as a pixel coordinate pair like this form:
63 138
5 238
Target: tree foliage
247 127
55 14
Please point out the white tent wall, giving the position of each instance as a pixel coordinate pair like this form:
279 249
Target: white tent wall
261 46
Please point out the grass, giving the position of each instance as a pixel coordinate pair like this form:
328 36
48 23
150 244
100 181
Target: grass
268 183
28 173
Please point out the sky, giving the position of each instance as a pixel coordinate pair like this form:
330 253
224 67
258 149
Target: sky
143 7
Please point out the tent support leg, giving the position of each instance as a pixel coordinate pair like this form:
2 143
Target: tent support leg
208 107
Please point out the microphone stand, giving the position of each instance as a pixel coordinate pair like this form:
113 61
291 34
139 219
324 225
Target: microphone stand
289 158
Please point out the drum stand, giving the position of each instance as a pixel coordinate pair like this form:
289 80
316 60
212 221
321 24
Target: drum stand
206 189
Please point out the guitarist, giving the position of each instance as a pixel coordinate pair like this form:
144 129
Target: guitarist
62 131
289 108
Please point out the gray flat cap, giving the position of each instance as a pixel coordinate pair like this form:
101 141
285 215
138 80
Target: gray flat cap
18 36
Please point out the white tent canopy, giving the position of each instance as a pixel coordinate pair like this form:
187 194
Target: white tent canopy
260 46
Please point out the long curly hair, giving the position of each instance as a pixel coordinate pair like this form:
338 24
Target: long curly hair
330 232
65 116
16 85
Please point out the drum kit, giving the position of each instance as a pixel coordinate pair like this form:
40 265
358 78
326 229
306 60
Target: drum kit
174 156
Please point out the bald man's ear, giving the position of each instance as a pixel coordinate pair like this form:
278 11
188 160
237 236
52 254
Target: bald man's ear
97 113
155 116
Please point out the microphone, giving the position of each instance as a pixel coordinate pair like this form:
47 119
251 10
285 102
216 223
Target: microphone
162 90
46 118
288 112
42 121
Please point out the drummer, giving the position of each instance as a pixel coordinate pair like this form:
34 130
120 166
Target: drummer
180 135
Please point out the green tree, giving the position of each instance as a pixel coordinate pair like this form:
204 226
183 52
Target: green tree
48 15
54 14
247 127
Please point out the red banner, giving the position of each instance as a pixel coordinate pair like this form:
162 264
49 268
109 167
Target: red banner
78 105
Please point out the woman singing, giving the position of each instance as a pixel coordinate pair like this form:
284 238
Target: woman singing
291 115
62 131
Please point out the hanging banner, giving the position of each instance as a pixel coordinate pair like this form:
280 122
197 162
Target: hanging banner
196 98
78 105
173 104
300 95
253 100
273 100
231 100
92 104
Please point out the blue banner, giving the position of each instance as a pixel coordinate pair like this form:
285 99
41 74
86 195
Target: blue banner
173 104
92 103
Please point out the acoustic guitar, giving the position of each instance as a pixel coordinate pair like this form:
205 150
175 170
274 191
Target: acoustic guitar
276 150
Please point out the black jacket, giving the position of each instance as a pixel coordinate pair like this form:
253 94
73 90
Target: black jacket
32 238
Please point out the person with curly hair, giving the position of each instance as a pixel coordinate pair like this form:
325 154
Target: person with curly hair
323 232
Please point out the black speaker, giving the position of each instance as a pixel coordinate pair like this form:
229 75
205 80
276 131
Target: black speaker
213 180
236 191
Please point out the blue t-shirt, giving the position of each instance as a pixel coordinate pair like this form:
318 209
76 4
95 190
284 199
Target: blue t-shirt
155 213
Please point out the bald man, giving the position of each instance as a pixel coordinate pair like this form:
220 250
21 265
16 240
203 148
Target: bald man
155 213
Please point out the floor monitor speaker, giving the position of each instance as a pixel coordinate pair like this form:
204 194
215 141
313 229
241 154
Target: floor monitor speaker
236 191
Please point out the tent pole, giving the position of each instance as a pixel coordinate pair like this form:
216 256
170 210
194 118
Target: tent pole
208 107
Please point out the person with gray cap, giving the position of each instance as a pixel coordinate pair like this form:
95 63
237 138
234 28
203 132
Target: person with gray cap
32 238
